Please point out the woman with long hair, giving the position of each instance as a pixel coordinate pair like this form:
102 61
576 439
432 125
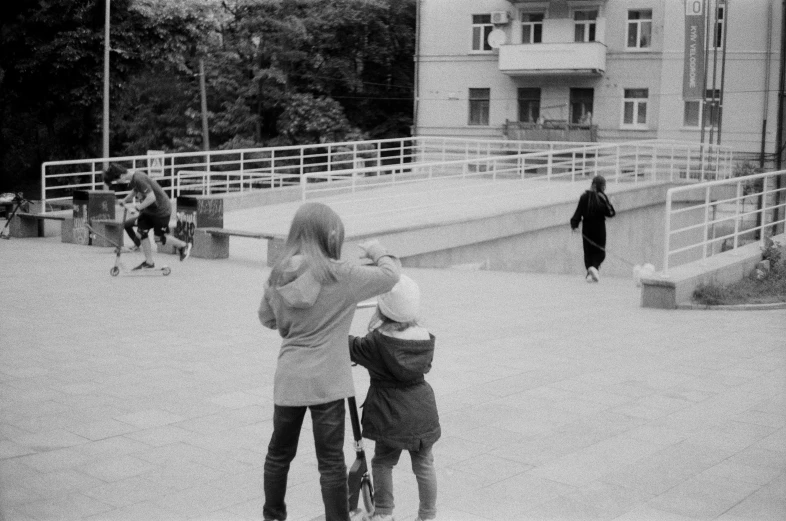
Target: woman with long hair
310 298
593 208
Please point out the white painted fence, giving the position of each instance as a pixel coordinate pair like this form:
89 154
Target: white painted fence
707 218
316 168
634 162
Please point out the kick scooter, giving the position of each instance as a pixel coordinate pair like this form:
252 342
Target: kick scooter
119 267
358 480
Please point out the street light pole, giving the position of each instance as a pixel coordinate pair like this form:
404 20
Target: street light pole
203 100
106 86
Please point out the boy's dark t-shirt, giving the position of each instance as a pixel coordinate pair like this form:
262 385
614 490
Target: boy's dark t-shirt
142 184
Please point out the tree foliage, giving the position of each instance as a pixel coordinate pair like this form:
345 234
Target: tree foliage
277 71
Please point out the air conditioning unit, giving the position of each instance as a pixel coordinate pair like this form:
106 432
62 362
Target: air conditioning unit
499 17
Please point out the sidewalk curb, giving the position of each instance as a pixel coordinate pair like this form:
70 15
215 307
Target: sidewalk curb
736 307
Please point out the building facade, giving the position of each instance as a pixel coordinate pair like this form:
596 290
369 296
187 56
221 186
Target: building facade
597 70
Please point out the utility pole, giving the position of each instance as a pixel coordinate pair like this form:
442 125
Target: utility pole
106 86
778 129
766 101
203 95
715 45
779 133
723 67
256 40
416 104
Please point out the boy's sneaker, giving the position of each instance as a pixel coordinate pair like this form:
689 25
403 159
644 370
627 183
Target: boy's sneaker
185 251
145 266
593 271
588 278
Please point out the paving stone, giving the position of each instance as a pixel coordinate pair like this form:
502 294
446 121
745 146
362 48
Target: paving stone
558 399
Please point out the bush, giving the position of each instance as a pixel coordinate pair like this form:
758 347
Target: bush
710 294
750 290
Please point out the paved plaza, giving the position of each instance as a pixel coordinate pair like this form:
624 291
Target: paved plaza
150 398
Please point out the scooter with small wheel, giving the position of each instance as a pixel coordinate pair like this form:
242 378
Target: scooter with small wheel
359 485
359 480
119 267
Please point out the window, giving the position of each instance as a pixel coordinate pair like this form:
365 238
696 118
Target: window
581 101
710 108
532 27
479 106
481 28
634 108
639 29
717 37
529 105
584 26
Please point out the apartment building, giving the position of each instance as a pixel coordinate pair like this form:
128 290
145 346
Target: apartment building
597 70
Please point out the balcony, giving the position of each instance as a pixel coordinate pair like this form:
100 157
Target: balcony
550 130
553 59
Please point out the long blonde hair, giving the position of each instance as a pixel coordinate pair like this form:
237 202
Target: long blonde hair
317 234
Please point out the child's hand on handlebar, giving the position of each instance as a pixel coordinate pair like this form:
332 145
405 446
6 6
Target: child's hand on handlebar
366 246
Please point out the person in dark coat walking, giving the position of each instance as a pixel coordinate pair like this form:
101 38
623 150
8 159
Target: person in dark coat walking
593 208
400 411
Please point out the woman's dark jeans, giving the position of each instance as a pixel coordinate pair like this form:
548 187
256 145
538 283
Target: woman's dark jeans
328 423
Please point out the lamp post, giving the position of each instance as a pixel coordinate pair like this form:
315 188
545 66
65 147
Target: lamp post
106 86
256 40
203 103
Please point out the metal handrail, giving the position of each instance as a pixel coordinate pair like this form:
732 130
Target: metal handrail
308 165
637 162
769 211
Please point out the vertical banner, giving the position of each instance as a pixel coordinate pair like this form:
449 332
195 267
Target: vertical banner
693 72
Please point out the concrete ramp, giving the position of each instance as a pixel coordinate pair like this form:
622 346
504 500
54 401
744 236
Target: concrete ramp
511 225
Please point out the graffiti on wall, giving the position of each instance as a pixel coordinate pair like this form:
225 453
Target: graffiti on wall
186 224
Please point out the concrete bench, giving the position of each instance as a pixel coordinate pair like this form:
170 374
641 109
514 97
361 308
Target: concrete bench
31 224
213 242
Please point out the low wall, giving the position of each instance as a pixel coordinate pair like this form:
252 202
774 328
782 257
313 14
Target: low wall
254 198
538 238
677 287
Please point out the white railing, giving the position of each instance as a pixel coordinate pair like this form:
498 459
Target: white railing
310 166
633 162
708 218
225 170
273 167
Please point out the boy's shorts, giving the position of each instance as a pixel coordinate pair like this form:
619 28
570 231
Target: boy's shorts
159 225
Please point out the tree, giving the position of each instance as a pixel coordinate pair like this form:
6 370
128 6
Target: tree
277 71
52 63
357 52
313 120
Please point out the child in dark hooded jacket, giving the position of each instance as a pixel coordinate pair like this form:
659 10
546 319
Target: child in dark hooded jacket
400 411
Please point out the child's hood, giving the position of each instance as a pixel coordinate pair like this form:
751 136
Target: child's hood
407 359
298 287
